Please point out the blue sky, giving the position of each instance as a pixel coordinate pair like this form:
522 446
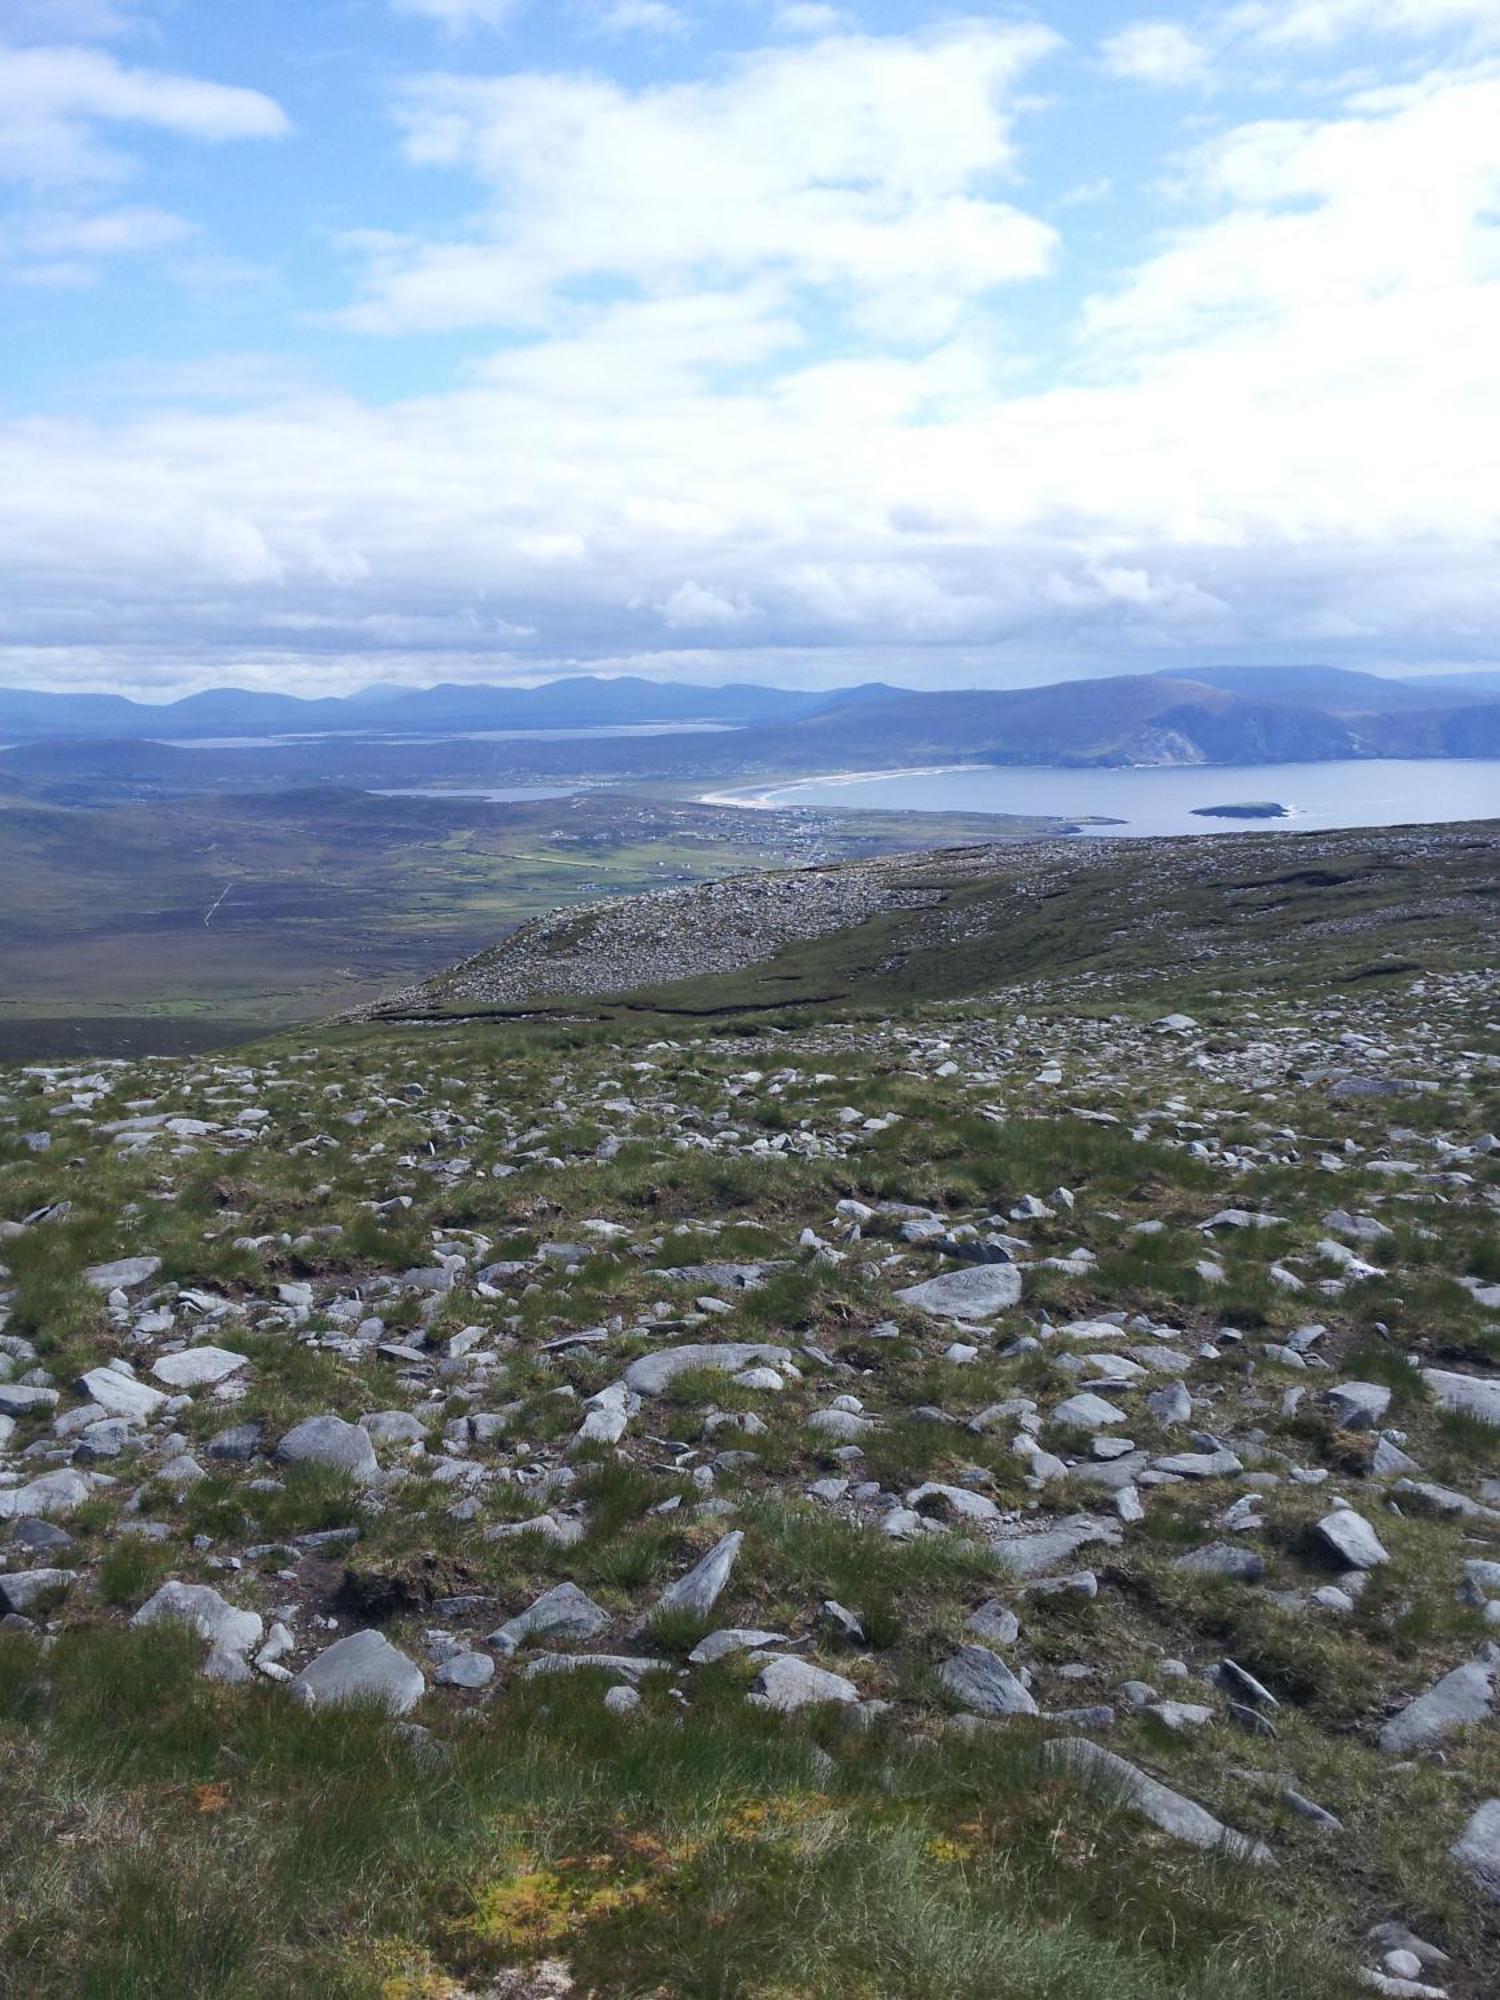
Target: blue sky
491 339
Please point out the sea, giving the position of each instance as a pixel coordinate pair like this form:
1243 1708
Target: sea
1141 802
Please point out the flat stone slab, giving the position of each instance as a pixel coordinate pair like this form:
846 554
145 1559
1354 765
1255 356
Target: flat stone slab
733 1639
649 1374
1181 1817
720 1277
1089 1412
365 1667
980 1291
199 1367
1466 1695
1034 1554
1222 1559
786 1684
1199 1464
124 1275
1473 1395
121 1395
625 1666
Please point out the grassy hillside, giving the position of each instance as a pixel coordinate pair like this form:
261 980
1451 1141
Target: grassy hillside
1346 905
184 922
738 1623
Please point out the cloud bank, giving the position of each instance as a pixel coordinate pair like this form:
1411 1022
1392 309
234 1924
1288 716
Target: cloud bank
790 367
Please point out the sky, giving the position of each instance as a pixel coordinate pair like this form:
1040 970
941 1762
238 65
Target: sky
351 341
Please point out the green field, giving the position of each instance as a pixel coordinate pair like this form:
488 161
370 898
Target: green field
191 923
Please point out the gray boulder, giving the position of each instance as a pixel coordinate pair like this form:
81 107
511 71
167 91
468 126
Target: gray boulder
995 1622
1357 1406
48 1494
786 1683
212 1617
24 1590
561 1613
237 1445
957 1502
733 1639
1350 1538
24 1399
120 1395
979 1292
466 1670
1222 1559
123 1275
330 1441
365 1667
649 1374
980 1681
392 1427
1199 1464
1471 1395
699 1591
199 1367
1477 1849
1030 1555
1466 1695
1087 1411
720 1277
1181 1817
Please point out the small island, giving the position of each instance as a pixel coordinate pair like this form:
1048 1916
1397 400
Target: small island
1255 809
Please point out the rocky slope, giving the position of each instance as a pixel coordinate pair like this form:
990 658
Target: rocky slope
938 923
996 1498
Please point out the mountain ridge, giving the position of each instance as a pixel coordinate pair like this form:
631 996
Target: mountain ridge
440 737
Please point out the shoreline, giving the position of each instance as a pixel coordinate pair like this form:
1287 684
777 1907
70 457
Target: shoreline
762 797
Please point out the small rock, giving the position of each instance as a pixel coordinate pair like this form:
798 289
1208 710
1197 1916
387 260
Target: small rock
1351 1539
980 1680
786 1683
365 1667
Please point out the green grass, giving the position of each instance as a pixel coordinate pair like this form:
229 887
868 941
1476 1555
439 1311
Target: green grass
167 1836
178 1840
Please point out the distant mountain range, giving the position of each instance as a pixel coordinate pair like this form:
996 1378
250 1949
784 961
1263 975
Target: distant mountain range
82 748
578 703
1267 715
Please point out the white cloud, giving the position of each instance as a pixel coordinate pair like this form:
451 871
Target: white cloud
692 608
1155 52
1278 428
646 17
860 165
69 20
67 248
53 102
1310 23
458 15
808 17
1366 219
1260 32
